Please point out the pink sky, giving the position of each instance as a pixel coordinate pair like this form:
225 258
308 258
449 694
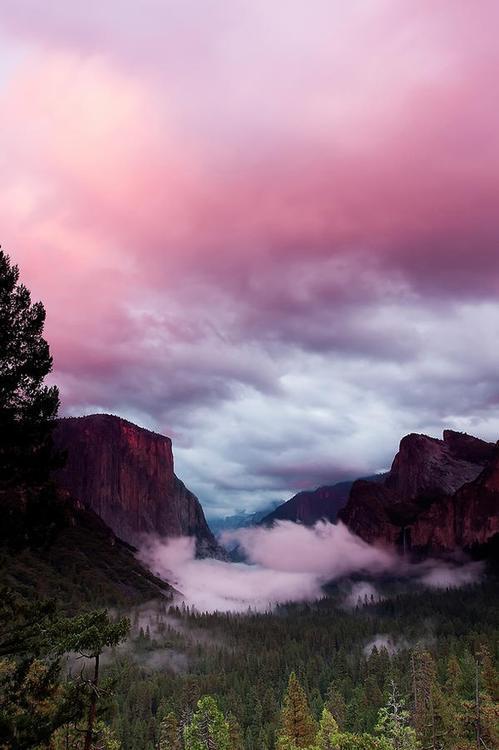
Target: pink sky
266 229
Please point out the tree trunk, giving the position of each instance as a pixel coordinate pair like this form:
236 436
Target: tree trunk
477 703
93 707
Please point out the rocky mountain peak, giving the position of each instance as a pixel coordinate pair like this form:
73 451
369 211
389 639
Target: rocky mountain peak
439 495
427 466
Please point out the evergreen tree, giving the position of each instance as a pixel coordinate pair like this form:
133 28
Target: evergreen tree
452 704
489 700
88 635
208 730
189 699
32 702
35 704
169 733
27 407
69 737
335 704
454 678
235 735
328 734
489 674
481 715
393 723
297 725
432 719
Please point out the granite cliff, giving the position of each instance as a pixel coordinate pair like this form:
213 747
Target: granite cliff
439 496
125 474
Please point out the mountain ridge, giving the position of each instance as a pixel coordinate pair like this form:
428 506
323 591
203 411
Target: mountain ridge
310 506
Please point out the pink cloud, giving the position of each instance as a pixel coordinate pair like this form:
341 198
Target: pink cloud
214 200
289 563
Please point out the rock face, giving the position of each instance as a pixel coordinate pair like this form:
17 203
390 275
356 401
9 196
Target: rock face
426 466
125 474
439 496
311 506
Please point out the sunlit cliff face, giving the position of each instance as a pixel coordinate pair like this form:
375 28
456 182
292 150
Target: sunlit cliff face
268 230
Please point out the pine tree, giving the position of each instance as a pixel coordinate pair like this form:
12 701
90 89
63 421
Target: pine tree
208 730
189 699
235 734
69 736
454 680
490 697
393 723
297 724
328 734
34 702
489 674
88 635
431 718
169 733
453 704
335 703
316 702
27 407
481 715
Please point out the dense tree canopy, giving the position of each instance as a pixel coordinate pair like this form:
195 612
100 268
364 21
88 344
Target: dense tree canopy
339 662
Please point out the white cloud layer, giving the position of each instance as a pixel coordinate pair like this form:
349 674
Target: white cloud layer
288 563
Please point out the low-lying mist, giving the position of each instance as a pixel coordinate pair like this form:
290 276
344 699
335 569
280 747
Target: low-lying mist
290 563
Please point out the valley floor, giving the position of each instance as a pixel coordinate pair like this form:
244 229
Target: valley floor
432 645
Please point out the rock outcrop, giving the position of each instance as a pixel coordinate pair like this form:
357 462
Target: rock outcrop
426 466
439 496
125 474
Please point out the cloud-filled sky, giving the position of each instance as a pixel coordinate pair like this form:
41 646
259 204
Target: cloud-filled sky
267 229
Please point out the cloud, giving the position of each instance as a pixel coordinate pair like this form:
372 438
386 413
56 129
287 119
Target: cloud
326 550
389 643
362 593
448 576
212 585
288 563
241 217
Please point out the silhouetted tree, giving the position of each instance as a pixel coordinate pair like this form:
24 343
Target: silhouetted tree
27 406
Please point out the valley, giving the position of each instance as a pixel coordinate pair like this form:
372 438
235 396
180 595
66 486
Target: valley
350 616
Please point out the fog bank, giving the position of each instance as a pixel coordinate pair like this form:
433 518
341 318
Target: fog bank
289 563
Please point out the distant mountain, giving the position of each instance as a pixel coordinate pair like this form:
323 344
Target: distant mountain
124 473
241 520
439 496
310 506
